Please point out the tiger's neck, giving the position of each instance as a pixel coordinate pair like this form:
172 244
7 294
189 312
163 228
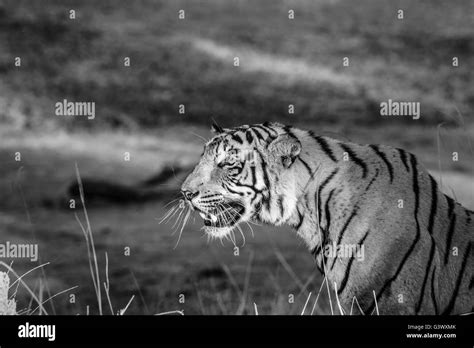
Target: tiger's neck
319 176
303 202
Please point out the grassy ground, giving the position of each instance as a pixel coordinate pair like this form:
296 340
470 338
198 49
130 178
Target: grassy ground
190 62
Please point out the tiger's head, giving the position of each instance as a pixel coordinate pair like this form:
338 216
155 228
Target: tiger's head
239 172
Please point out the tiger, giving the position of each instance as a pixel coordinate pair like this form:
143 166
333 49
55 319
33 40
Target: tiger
417 240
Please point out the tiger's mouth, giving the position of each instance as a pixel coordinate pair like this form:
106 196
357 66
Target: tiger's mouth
226 216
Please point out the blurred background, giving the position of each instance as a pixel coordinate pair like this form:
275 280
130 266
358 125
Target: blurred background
190 62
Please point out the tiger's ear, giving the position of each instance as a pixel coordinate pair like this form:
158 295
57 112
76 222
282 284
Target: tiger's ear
285 147
215 128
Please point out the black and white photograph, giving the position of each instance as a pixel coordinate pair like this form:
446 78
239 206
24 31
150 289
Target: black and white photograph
175 161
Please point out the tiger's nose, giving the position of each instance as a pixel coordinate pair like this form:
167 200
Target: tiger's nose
189 195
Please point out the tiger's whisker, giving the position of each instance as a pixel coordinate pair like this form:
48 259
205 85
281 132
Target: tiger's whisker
179 217
185 220
172 201
171 212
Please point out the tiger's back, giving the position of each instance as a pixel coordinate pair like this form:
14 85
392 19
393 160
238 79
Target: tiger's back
418 257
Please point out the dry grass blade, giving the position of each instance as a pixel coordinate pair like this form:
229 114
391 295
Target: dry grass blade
139 291
123 310
376 304
90 242
26 273
306 304
51 297
354 300
341 310
179 312
107 284
317 296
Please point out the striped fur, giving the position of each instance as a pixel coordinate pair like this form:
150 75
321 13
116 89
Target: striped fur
418 241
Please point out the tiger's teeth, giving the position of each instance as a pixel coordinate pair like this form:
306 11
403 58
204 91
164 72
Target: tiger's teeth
203 215
213 218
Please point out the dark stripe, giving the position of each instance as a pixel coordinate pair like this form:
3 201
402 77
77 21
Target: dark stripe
237 138
452 224
323 144
384 158
450 205
264 171
353 214
428 267
270 128
255 196
253 188
308 168
247 173
434 204
257 133
266 201
248 136
341 234
433 295
320 189
416 191
373 179
254 175
434 207
264 130
301 217
327 213
348 268
280 205
316 250
452 301
235 192
288 130
355 159
403 157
